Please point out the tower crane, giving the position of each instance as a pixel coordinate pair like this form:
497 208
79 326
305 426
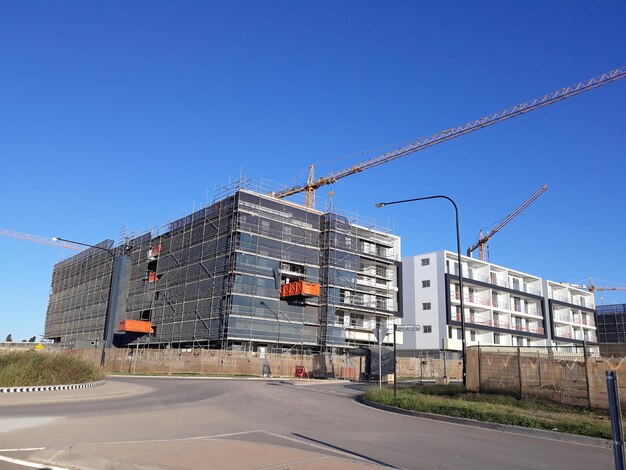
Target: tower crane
313 184
482 240
592 287
39 239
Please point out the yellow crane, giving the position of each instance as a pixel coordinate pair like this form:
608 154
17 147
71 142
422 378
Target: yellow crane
482 240
313 184
592 287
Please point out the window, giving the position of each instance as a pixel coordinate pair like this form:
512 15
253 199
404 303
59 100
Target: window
426 306
496 338
472 336
426 283
425 261
357 321
428 329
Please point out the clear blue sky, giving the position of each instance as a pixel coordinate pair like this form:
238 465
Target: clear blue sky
120 113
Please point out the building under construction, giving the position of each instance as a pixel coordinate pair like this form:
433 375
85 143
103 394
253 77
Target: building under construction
248 271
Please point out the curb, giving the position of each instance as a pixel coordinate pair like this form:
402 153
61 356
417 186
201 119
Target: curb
285 380
50 388
542 433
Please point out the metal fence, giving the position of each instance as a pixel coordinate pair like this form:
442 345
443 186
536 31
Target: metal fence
557 374
429 365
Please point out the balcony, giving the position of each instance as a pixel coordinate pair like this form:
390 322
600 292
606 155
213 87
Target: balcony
497 282
588 322
474 299
530 310
580 301
499 324
564 318
487 302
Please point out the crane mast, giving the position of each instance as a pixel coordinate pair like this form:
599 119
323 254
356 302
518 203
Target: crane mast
482 240
425 142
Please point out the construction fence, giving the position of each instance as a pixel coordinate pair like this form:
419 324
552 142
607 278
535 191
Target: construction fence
226 362
413 365
423 365
573 375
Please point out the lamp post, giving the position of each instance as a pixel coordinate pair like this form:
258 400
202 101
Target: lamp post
108 310
458 252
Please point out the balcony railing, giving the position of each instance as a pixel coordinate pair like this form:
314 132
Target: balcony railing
566 318
475 299
526 309
575 320
580 301
499 324
497 282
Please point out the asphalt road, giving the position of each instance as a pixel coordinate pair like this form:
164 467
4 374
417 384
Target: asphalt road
323 415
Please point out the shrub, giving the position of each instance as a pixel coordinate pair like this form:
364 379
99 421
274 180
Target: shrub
31 368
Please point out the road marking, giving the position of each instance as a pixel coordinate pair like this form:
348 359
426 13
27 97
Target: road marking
25 463
293 463
22 450
14 424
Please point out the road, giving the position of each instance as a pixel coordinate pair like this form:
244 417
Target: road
321 417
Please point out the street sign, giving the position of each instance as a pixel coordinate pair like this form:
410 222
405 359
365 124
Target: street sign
380 334
409 328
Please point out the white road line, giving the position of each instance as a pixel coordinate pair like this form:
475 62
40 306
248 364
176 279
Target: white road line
294 463
24 449
25 463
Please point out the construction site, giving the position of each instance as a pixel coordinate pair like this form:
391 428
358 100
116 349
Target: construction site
248 272
255 271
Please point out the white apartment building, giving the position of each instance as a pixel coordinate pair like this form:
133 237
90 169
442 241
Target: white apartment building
503 306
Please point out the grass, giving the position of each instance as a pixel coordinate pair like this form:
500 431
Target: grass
32 368
450 400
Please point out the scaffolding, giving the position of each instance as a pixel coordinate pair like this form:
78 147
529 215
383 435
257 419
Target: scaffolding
212 279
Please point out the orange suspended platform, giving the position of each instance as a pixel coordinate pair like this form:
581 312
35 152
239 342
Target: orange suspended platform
299 289
135 326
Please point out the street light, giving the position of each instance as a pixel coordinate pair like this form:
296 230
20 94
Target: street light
458 252
108 310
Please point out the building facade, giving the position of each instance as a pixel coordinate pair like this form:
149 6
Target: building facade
249 271
503 306
611 323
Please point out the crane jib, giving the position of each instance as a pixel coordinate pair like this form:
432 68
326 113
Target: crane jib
448 134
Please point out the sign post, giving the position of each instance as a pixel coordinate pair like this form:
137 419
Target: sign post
397 328
395 378
615 413
380 334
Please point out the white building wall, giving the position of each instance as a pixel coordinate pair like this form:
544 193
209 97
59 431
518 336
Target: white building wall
502 306
423 301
